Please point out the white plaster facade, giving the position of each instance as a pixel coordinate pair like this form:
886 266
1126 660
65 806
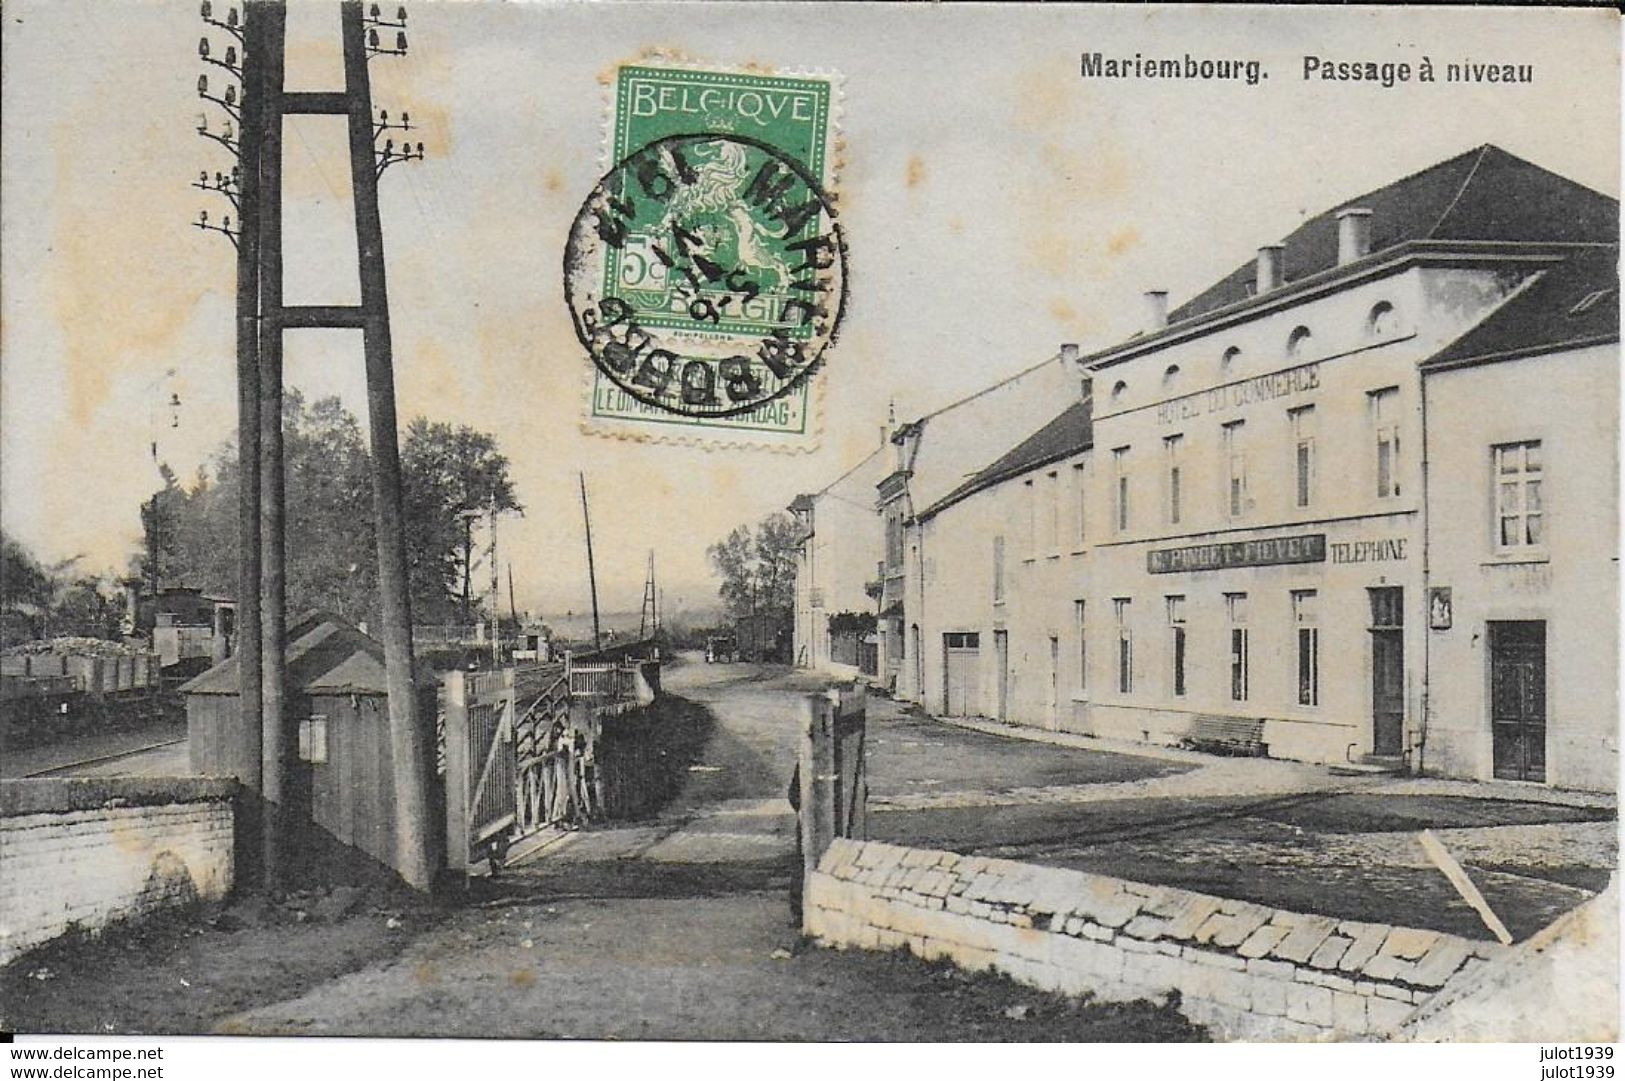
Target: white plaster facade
981 579
934 456
1253 555
1566 587
1299 468
839 558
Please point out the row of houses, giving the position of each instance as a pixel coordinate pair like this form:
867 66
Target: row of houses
1357 501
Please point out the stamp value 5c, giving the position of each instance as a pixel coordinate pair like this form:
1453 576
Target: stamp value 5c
706 272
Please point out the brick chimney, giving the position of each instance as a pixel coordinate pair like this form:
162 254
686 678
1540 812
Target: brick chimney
1353 234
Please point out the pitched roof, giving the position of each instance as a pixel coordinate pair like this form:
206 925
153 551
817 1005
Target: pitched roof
1575 303
325 654
1069 432
1485 194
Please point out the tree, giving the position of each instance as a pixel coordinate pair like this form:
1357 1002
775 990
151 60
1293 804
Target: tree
40 600
23 581
332 548
332 556
331 563
758 567
452 474
25 592
854 624
160 520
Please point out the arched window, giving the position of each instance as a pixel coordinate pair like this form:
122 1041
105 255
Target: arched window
1117 390
1228 361
1382 321
1170 376
1296 341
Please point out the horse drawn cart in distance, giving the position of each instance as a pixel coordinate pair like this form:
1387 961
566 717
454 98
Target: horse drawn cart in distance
721 649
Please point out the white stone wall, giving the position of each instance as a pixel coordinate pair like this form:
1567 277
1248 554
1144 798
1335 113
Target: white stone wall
1245 970
85 856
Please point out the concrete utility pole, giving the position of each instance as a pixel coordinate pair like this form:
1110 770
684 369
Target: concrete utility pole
270 744
250 668
242 188
280 747
412 743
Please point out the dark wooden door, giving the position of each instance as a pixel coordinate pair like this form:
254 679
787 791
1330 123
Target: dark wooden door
1518 699
1387 692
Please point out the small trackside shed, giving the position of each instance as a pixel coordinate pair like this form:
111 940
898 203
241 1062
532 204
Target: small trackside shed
338 704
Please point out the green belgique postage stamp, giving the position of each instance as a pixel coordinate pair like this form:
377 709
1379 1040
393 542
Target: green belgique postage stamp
706 272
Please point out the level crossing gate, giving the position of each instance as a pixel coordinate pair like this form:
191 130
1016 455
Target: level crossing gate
496 727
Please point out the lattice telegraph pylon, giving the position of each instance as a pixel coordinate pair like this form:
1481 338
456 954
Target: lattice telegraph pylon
255 189
649 613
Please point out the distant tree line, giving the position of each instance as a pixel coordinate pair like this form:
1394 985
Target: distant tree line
447 471
758 567
853 623
45 600
190 529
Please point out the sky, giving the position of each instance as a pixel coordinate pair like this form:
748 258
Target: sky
995 203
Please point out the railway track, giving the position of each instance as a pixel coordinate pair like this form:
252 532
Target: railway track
68 768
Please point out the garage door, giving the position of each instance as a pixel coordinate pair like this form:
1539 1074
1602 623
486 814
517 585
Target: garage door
961 669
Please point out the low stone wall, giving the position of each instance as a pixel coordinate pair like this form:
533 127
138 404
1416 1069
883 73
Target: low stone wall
1245 970
85 852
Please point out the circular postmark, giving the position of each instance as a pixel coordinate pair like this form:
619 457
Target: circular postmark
706 274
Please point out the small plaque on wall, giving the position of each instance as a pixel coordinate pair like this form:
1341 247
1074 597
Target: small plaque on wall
1440 610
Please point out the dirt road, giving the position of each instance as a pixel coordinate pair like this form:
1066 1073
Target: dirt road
679 927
